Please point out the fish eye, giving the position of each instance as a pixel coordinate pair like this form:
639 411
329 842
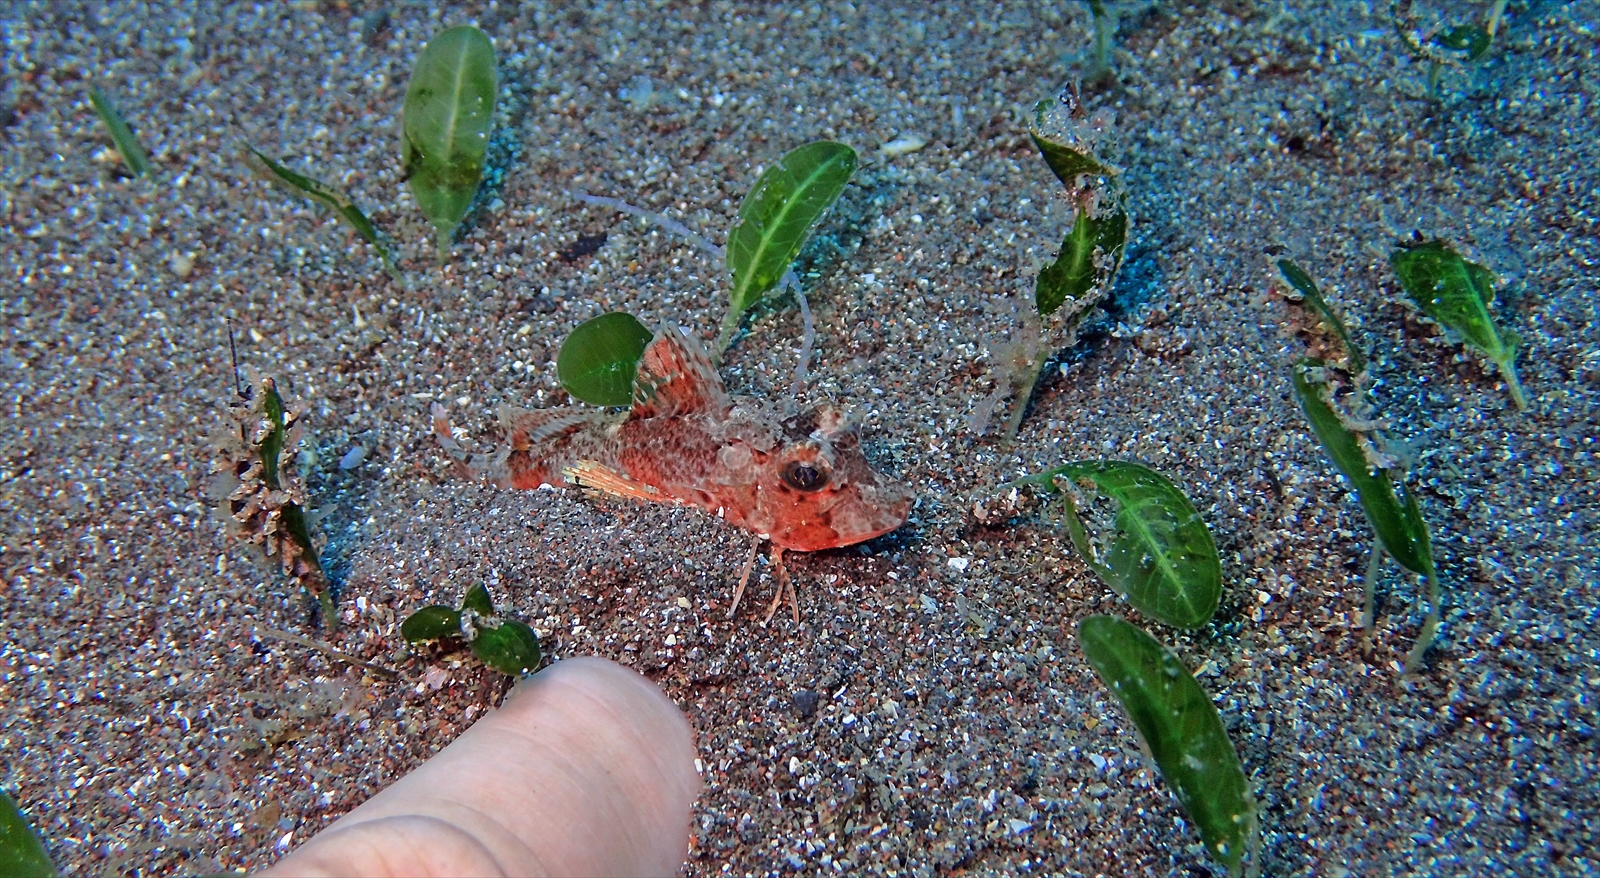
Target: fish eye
803 476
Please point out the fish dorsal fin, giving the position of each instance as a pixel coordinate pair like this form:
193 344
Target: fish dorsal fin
676 378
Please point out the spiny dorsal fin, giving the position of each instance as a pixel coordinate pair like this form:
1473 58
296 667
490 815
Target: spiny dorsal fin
676 378
534 429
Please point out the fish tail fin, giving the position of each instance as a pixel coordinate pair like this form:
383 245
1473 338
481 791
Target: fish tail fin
537 444
489 467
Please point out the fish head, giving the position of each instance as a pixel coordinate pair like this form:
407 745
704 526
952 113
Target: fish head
815 490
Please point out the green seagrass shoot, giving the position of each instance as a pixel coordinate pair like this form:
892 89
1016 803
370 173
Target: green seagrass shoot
122 136
444 128
321 193
774 220
1456 293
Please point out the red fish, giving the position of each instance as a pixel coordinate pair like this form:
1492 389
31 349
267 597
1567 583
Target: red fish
801 483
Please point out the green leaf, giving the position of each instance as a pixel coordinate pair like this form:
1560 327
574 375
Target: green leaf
328 197
1456 293
121 135
1090 255
272 443
434 622
1068 161
449 110
22 855
477 600
1155 551
599 360
1469 39
777 214
1394 515
509 647
1302 282
294 518
1182 730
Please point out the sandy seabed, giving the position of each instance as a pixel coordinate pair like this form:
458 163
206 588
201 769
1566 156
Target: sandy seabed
932 712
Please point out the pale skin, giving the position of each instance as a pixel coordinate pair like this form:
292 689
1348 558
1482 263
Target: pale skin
587 769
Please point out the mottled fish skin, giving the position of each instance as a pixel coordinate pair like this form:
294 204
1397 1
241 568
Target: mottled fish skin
802 482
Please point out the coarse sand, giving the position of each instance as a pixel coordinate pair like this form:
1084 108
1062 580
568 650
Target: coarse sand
932 712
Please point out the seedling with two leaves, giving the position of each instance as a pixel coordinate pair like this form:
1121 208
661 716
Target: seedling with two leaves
1068 137
1354 448
502 643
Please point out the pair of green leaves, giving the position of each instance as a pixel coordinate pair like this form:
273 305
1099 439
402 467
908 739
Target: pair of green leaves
504 644
1093 248
22 855
775 218
1153 548
599 360
445 124
1182 730
1142 535
1390 508
1083 270
444 132
1456 293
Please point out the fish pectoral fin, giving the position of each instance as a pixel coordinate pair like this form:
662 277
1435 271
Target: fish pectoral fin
598 477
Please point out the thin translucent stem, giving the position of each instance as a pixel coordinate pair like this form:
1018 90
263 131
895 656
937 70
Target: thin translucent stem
808 338
663 221
1430 627
1513 385
1030 379
1370 603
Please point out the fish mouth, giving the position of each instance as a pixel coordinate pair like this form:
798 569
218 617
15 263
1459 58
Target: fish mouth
849 520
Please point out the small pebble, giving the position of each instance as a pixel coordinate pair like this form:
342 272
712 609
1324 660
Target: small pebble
805 703
902 146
